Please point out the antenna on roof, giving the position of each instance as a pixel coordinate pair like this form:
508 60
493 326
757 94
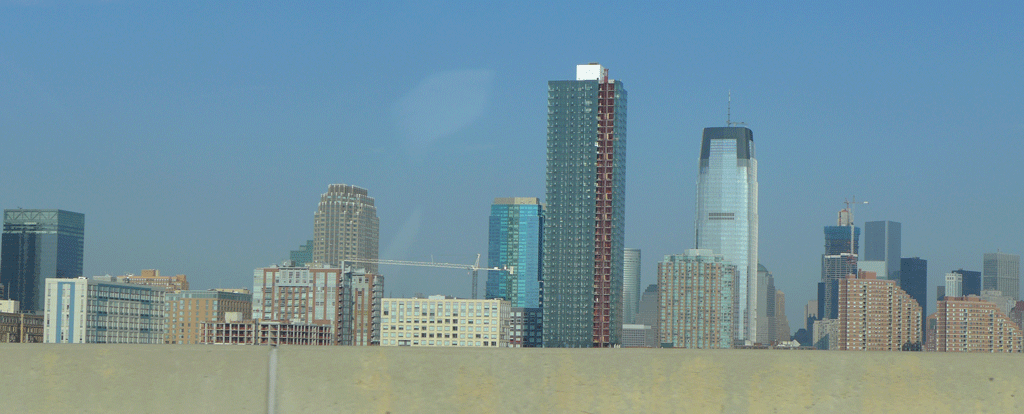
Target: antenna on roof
728 114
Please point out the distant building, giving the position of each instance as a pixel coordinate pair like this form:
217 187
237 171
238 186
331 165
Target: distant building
970 324
876 315
883 243
639 336
525 328
826 334
838 262
303 256
441 322
38 245
1002 301
585 220
150 277
782 329
698 300
345 227
186 310
954 285
516 226
810 314
82 311
1002 273
19 327
914 281
650 314
237 331
940 292
766 321
970 282
630 285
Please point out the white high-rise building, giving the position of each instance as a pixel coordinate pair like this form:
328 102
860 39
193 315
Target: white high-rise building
92 311
954 284
1002 273
726 220
630 285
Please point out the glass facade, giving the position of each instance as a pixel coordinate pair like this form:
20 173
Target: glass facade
514 242
303 256
37 245
584 223
882 242
630 285
727 212
914 281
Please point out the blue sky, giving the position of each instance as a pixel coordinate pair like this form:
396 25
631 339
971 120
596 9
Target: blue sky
198 138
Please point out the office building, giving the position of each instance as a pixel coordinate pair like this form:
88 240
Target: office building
584 224
767 308
1002 301
782 330
810 314
698 300
970 282
515 233
80 311
151 277
1002 273
39 245
438 321
345 299
883 245
346 227
650 314
187 310
525 328
630 285
954 285
838 262
303 256
639 336
727 221
970 324
826 334
876 315
913 279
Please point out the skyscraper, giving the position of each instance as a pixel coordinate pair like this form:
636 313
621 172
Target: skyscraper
838 262
882 243
584 224
914 281
649 309
630 285
726 220
1002 273
345 227
37 245
697 300
970 282
516 226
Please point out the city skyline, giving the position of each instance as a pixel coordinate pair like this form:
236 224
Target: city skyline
163 135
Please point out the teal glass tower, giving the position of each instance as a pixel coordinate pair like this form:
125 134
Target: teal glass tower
514 243
39 244
727 213
584 224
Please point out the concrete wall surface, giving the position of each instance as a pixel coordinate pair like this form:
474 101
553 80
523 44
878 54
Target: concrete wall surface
44 378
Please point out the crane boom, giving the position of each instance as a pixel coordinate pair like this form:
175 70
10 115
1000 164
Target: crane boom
472 268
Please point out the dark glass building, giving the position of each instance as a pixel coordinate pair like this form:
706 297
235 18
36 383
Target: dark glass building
36 245
584 223
837 262
971 282
914 281
882 243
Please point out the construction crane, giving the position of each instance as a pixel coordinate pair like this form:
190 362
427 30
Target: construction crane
472 268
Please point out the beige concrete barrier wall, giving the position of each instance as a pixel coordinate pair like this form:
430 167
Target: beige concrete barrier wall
199 379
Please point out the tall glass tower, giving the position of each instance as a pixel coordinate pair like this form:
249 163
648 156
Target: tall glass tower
630 285
515 242
584 224
1002 273
39 244
727 213
346 227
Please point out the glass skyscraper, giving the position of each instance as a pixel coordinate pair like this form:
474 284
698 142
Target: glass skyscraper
39 244
630 285
514 242
584 224
727 213
882 244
